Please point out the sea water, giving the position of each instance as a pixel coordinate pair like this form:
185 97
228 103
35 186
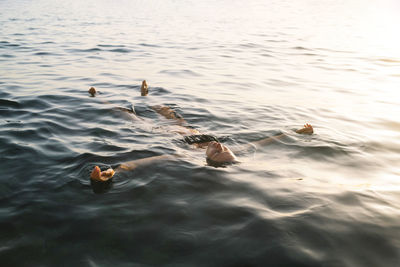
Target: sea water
241 70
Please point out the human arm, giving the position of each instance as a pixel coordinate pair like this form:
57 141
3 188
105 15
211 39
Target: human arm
106 175
133 164
268 140
307 129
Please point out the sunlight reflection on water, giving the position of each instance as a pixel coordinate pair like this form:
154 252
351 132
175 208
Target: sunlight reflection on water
242 70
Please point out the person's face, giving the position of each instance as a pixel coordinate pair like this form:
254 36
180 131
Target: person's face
219 153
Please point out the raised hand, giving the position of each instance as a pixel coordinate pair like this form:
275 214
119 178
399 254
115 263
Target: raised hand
307 129
101 176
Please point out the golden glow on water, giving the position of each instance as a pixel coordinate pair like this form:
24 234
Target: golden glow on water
238 69
301 62
384 27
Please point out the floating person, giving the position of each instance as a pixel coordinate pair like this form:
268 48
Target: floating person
217 154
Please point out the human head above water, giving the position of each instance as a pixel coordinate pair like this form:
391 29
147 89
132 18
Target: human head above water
219 155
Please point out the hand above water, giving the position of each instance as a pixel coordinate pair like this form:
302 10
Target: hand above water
307 129
101 176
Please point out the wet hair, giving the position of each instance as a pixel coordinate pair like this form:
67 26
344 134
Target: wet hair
200 138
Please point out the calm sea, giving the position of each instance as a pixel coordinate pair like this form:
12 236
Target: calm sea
241 70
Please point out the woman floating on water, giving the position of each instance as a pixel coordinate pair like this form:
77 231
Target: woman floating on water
217 154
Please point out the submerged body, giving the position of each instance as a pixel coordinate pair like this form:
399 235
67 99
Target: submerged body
217 154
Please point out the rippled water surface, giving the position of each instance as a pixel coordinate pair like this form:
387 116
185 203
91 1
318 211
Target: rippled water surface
242 70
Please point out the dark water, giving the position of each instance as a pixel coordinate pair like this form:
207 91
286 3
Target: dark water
240 70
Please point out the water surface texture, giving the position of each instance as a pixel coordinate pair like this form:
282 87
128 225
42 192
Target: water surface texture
242 70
